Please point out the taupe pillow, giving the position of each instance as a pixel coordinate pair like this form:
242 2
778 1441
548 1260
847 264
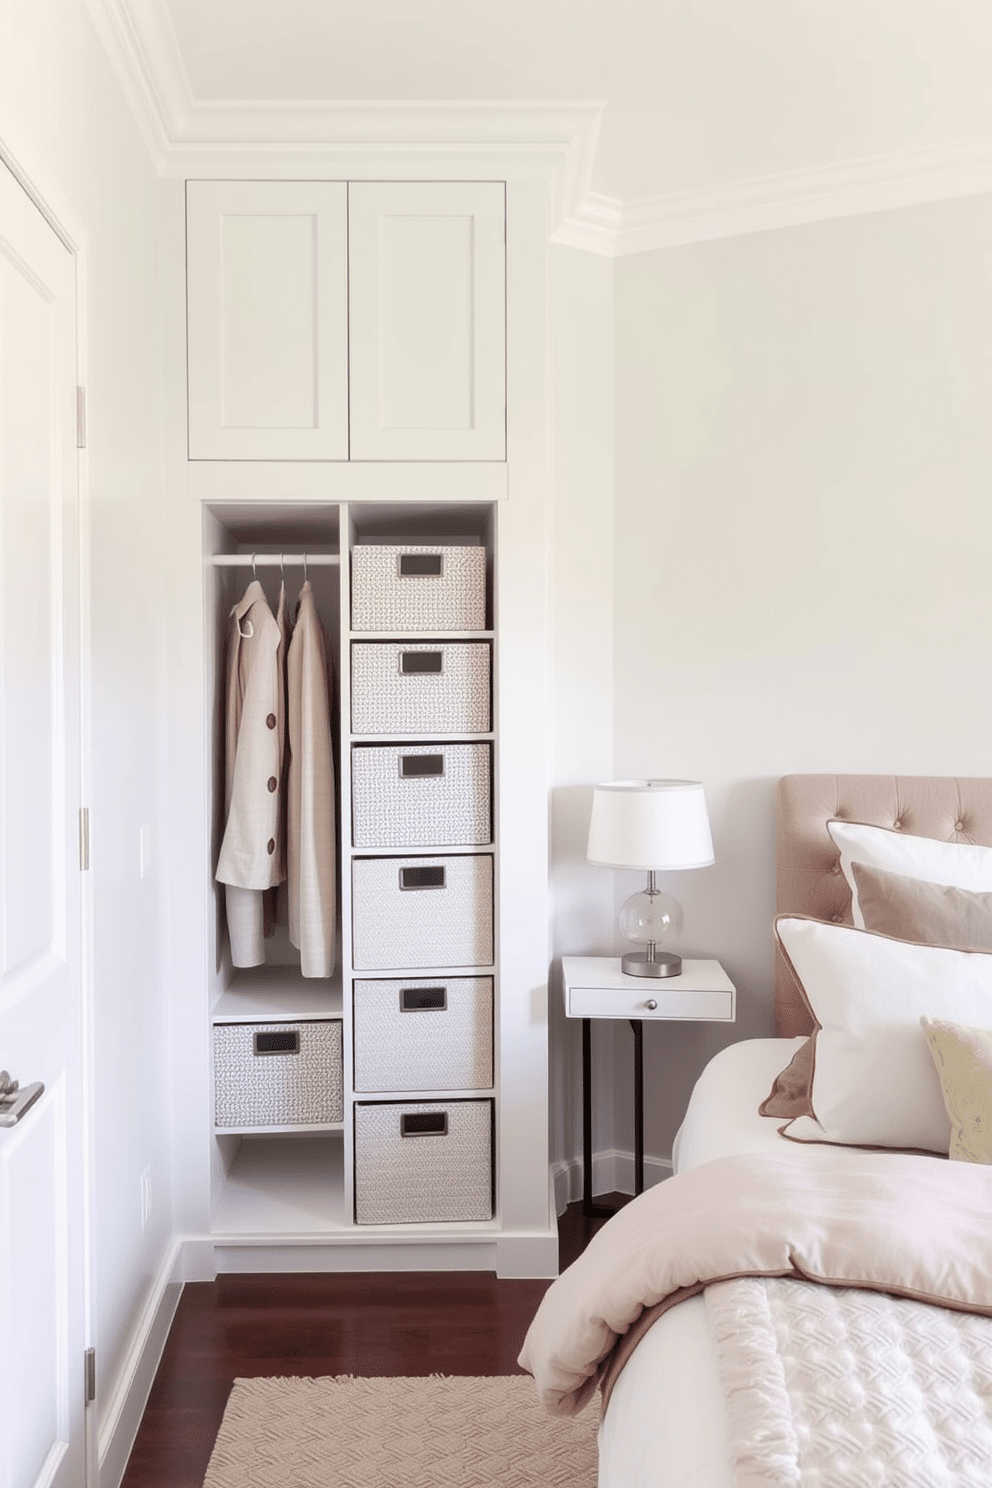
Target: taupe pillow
789 1095
962 1057
906 909
927 913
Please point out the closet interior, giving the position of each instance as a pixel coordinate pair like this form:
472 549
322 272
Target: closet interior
366 1102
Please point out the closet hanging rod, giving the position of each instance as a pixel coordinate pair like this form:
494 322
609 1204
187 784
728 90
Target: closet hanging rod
275 560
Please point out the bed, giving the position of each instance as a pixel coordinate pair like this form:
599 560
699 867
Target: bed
889 1240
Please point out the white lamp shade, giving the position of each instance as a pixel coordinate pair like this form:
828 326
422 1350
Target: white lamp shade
649 824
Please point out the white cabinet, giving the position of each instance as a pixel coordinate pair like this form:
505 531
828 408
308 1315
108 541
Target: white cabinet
267 320
307 298
410 682
428 360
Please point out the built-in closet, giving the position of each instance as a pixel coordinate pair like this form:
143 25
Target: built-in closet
349 423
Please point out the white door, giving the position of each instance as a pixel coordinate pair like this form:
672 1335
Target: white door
41 1157
427 299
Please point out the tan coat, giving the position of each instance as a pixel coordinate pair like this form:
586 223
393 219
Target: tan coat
310 815
252 855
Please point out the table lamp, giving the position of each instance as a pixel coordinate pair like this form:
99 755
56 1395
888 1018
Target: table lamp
655 825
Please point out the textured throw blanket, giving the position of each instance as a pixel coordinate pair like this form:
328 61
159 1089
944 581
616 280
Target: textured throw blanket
916 1227
838 1386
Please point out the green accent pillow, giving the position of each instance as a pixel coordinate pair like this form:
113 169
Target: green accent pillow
962 1057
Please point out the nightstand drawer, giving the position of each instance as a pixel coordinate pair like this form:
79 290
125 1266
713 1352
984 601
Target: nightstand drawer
672 1002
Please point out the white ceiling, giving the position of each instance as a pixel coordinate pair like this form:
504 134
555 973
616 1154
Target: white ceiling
698 94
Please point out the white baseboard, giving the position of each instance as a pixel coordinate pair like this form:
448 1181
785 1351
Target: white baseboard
509 1253
121 1416
612 1172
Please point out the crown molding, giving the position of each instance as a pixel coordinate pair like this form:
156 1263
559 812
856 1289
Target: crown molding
186 136
602 224
142 49
447 140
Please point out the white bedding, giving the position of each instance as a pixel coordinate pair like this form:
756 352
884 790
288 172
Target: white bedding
722 1118
665 1426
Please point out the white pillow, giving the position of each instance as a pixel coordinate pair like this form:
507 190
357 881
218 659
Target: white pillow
963 865
874 1082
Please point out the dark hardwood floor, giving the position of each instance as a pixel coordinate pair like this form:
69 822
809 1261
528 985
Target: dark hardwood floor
396 1323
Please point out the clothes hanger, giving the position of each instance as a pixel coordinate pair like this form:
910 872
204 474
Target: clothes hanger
247 629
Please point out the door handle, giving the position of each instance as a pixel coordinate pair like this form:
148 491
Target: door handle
14 1101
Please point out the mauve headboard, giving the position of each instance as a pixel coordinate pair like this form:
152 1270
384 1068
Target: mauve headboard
808 877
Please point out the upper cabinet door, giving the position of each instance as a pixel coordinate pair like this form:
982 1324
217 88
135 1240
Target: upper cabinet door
428 320
267 283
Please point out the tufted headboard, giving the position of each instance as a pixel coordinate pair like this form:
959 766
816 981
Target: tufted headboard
808 877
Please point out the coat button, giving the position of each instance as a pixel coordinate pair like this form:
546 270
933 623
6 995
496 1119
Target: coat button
270 846
270 722
272 782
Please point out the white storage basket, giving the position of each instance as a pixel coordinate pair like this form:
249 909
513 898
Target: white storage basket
426 1033
423 1163
277 1074
410 912
417 587
421 688
421 795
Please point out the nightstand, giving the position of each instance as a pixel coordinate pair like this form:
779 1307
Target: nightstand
595 987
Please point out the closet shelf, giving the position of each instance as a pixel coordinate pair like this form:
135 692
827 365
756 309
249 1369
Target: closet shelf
282 1185
421 973
275 560
433 736
296 1130
277 994
418 637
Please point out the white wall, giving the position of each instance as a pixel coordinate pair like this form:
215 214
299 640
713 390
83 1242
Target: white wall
803 535
62 113
582 602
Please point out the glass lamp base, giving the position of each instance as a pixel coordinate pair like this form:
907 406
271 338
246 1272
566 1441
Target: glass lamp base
643 964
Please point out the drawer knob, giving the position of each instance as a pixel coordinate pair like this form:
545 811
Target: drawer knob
651 1004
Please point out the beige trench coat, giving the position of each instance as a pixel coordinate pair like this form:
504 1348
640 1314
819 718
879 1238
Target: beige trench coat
310 815
252 855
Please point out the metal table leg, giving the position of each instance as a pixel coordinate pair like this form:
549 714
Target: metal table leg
638 1028
589 1209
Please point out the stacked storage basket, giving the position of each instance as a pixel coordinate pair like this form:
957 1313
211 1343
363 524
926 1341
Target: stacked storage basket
422 883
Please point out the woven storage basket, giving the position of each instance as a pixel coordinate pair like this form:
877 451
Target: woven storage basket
421 795
424 1033
421 688
418 587
291 1087
427 1176
409 912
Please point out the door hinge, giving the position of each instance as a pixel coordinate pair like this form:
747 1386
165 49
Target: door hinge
89 1375
84 838
80 418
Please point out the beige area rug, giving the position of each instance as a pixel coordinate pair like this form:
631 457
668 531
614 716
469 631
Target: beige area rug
434 1432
